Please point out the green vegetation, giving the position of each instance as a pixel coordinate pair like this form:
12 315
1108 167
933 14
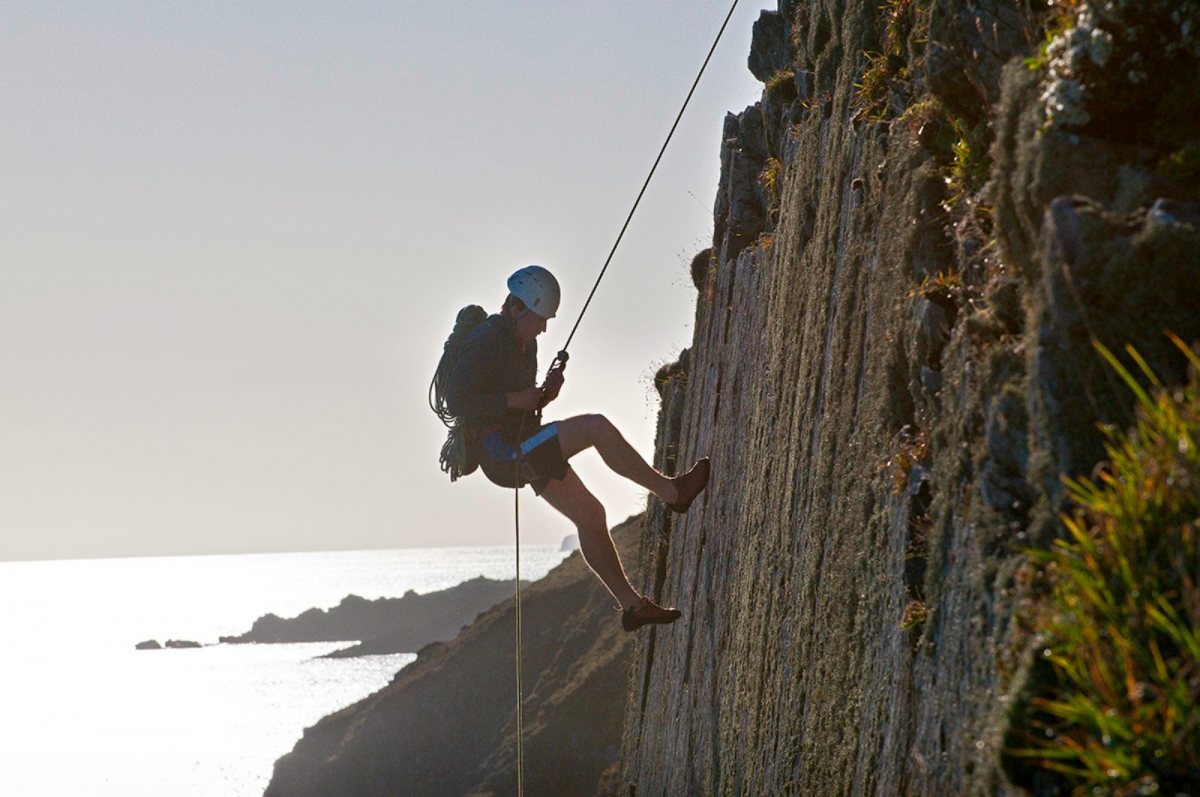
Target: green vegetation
768 180
781 80
1182 166
910 447
916 612
962 150
770 173
1120 625
898 20
919 114
1057 21
872 90
800 22
971 163
944 288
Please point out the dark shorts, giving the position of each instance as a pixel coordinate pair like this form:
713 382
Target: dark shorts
541 459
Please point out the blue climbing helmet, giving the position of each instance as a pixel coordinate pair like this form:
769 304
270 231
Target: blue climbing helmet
537 289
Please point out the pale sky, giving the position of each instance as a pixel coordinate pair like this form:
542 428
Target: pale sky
234 236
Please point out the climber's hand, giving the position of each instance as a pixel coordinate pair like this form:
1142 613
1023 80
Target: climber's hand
553 384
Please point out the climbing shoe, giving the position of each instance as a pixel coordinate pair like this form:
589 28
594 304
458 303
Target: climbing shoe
690 485
648 612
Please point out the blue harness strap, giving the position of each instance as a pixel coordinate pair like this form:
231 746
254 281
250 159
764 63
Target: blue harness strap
501 451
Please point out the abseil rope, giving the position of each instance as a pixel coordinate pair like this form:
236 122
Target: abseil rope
646 184
562 360
517 526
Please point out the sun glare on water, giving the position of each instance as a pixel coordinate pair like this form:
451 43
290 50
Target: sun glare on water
83 712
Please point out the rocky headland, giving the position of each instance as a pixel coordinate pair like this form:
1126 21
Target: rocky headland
383 625
446 723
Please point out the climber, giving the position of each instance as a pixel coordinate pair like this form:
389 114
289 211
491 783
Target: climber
492 392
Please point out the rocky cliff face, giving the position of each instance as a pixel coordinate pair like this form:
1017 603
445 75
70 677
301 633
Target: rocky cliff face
916 243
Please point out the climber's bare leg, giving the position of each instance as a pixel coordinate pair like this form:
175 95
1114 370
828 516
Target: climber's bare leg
585 431
570 497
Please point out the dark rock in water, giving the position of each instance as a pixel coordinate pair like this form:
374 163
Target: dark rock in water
446 723
570 543
181 643
149 644
385 625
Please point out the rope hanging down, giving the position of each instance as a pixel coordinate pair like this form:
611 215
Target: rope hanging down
561 359
520 727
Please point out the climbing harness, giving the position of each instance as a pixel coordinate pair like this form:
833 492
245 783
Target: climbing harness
560 361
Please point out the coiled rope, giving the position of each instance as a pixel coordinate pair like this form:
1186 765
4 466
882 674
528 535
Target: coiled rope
464 323
454 451
561 361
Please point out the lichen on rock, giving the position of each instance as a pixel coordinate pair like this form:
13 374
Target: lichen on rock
1126 68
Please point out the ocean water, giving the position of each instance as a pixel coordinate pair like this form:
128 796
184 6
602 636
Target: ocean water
84 713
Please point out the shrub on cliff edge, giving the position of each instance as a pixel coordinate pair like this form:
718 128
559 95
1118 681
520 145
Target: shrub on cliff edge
1121 624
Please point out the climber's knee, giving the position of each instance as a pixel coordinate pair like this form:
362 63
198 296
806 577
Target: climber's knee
582 432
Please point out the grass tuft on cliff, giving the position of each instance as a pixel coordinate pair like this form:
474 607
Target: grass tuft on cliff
1120 626
888 70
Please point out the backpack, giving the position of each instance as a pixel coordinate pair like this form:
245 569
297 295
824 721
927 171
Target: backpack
457 458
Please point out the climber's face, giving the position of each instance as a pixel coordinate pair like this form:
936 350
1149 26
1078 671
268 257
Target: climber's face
529 326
